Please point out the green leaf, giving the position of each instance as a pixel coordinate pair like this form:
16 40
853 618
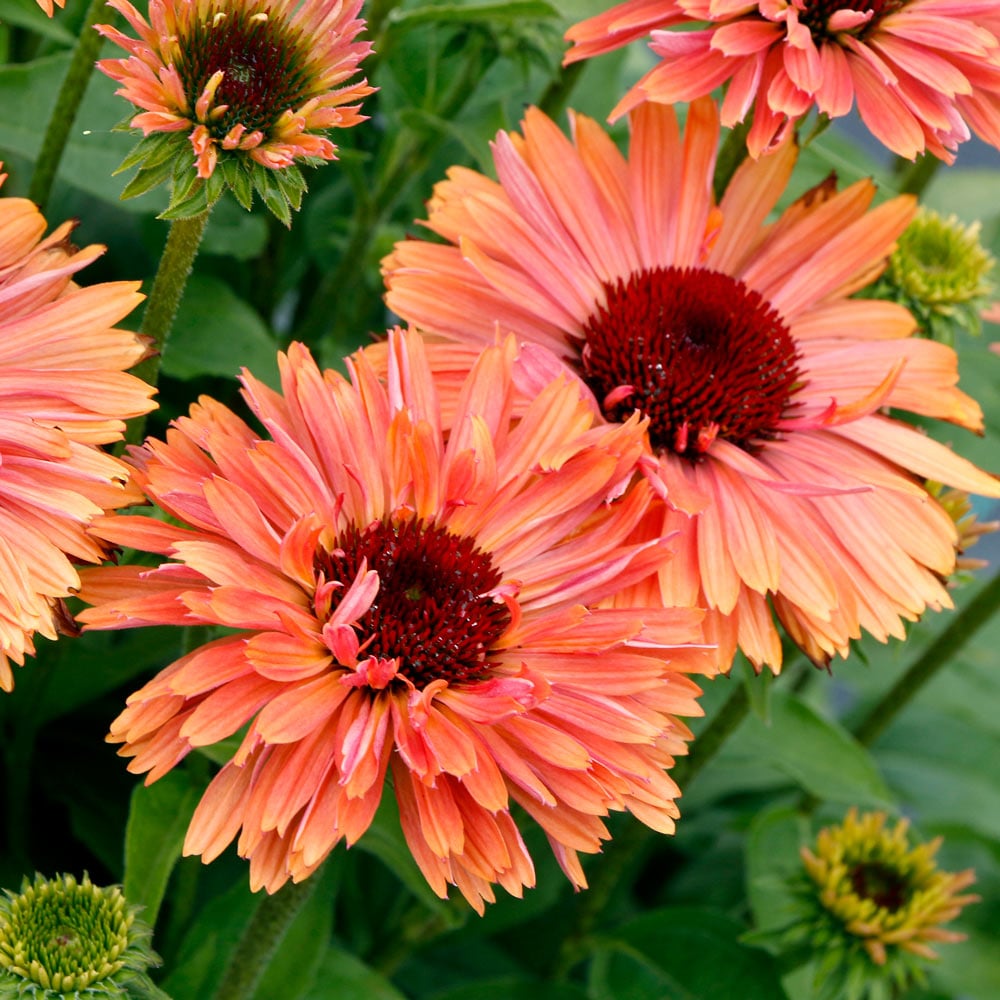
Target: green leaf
157 821
232 232
270 193
816 752
146 178
154 150
94 149
759 688
291 184
969 968
210 942
616 974
942 792
341 976
216 333
692 952
78 671
238 180
772 859
189 197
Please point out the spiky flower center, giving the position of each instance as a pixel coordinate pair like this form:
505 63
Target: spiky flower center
63 935
940 261
697 352
816 14
881 883
432 611
262 59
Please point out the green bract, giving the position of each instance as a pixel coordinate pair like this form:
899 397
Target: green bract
165 157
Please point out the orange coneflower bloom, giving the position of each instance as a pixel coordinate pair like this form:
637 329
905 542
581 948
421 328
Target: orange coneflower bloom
405 602
63 390
923 72
264 79
763 382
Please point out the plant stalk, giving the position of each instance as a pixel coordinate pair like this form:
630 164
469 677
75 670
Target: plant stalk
262 938
68 101
171 279
940 652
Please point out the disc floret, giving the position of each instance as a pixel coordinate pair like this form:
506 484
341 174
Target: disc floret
61 937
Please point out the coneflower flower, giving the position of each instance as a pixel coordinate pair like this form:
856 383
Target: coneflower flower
237 93
409 603
64 391
787 487
924 74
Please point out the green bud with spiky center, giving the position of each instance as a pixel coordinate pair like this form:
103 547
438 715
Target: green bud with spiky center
940 272
867 909
64 938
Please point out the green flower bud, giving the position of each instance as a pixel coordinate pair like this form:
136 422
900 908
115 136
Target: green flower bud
63 938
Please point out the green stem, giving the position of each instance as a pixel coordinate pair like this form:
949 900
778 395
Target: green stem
262 938
621 853
914 177
74 85
711 739
940 652
553 101
164 298
732 154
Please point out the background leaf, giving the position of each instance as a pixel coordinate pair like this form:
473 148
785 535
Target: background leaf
157 822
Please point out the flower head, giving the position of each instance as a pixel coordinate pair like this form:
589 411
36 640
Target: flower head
941 272
407 603
63 392
923 72
878 901
786 486
49 6
249 86
63 938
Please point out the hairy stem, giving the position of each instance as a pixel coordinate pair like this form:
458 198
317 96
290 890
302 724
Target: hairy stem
161 306
262 938
67 104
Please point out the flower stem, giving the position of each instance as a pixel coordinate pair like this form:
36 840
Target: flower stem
914 177
940 652
262 938
732 154
553 100
164 298
711 739
67 104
